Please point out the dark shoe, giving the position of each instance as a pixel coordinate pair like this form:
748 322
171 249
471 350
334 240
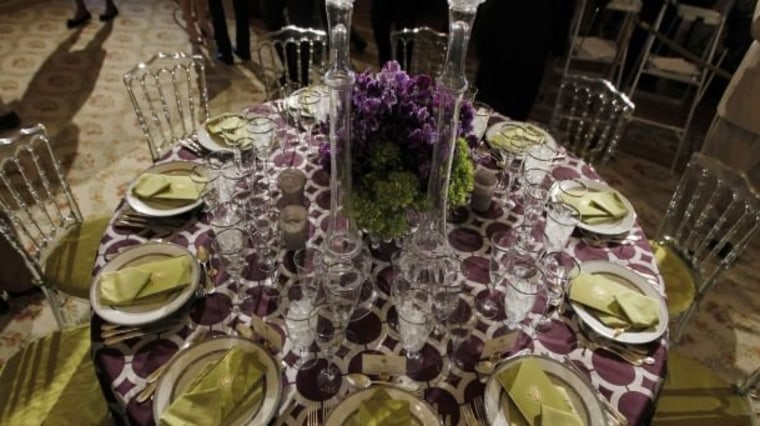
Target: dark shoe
78 22
109 16
9 121
224 58
243 56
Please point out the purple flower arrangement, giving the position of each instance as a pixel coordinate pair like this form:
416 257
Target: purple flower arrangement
393 121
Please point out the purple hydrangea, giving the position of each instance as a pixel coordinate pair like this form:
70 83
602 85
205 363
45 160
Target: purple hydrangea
392 106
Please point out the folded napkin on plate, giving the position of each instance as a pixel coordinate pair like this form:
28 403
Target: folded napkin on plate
146 283
222 392
616 305
531 390
167 187
227 127
598 206
551 416
381 410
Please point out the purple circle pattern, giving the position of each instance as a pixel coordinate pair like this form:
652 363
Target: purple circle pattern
123 367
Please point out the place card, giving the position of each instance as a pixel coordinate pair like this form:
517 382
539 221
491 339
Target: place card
394 365
499 345
269 334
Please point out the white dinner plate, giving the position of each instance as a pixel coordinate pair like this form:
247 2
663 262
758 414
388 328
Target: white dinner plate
634 281
163 208
496 129
349 407
617 227
144 313
184 368
579 391
210 142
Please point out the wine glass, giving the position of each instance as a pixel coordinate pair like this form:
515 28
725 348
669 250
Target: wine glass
561 219
343 282
230 246
499 263
308 113
268 244
520 295
308 261
510 164
414 306
558 269
299 312
536 185
483 113
330 334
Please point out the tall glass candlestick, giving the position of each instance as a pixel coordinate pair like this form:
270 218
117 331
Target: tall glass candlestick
450 86
342 236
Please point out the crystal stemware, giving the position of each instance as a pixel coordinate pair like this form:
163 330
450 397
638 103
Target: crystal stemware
414 306
558 269
520 295
501 249
308 262
561 219
330 334
309 103
299 312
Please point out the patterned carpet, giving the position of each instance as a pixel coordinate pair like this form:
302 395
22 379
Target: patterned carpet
71 82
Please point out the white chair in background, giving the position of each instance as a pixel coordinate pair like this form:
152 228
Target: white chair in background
170 99
419 50
589 117
660 62
293 55
41 220
589 46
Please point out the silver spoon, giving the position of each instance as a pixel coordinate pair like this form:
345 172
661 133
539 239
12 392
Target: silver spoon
362 381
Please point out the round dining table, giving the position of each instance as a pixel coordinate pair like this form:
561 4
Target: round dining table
124 366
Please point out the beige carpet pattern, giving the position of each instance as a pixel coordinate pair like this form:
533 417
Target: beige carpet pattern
71 82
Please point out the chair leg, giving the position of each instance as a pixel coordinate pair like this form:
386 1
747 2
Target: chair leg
55 306
749 383
682 321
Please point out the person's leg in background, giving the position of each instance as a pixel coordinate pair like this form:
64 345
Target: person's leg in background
221 36
381 15
9 120
242 30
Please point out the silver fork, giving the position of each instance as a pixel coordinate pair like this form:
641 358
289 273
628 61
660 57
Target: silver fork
480 409
469 416
312 419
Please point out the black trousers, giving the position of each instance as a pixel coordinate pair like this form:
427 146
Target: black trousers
242 30
389 14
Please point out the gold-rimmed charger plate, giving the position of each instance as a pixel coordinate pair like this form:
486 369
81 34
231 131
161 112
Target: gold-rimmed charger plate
144 313
347 411
164 208
184 368
500 410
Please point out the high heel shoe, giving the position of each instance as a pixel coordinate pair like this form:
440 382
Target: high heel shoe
109 16
78 22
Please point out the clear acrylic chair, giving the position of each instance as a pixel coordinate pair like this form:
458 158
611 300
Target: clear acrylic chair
420 50
697 31
590 116
711 217
292 55
601 35
41 220
170 98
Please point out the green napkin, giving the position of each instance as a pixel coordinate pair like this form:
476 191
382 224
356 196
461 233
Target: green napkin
222 392
551 416
167 187
530 389
598 207
146 283
381 410
227 126
614 304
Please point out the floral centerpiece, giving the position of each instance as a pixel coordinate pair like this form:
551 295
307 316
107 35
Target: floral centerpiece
393 133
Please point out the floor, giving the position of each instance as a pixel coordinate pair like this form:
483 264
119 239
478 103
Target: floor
70 80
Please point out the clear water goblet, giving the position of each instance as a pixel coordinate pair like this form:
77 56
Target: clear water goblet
520 295
539 156
309 103
483 113
489 305
561 220
308 262
299 312
415 320
330 335
558 270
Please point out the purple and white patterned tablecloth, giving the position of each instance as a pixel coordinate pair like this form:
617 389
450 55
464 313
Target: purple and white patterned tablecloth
123 367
